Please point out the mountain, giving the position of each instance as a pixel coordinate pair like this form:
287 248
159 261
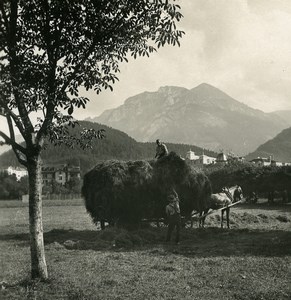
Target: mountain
5 148
284 115
279 147
204 116
116 145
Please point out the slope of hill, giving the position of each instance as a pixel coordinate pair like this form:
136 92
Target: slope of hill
203 116
116 145
5 148
283 114
279 147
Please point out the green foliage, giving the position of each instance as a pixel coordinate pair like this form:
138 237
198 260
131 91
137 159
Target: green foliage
73 186
251 178
49 49
55 188
10 188
279 147
116 145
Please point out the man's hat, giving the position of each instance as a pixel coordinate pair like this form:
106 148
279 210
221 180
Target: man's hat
171 198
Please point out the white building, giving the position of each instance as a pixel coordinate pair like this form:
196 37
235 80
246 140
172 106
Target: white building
222 158
17 171
61 173
275 163
191 155
206 160
262 161
200 159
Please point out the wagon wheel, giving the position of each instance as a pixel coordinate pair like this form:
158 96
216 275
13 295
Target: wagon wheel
158 224
188 222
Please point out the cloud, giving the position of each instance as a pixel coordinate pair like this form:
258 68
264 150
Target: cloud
246 51
242 47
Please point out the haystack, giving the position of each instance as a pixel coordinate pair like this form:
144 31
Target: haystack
127 192
113 190
192 186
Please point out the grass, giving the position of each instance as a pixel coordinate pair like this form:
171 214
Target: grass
250 261
18 203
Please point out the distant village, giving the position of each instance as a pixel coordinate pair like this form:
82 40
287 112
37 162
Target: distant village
225 159
63 173
60 173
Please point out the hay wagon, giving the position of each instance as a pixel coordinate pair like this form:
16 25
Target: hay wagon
126 193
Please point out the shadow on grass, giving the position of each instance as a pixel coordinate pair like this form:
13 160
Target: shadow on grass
276 206
208 242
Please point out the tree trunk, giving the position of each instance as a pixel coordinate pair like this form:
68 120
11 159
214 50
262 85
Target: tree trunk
38 263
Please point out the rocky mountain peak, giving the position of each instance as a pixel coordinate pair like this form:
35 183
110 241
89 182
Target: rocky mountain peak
171 90
208 91
203 116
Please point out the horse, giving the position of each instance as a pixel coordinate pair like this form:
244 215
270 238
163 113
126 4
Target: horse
220 200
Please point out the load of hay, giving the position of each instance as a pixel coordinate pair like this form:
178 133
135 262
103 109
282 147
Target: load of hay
124 193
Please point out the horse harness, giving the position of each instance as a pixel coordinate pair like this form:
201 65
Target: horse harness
228 194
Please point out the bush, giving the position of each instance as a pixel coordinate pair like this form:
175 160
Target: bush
10 188
251 178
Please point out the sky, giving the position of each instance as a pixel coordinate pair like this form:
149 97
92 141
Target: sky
242 47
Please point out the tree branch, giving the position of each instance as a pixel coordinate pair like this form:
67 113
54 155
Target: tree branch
12 44
22 161
4 15
12 143
108 32
10 126
8 111
52 60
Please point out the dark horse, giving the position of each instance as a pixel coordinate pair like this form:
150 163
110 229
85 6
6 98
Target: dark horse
221 200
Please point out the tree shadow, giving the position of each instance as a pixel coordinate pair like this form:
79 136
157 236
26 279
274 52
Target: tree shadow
277 206
208 242
213 242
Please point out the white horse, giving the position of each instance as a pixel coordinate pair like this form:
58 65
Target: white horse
222 200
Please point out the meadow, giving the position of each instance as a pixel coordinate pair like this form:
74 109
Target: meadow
252 260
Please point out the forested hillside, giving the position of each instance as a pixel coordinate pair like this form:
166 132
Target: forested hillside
279 147
116 145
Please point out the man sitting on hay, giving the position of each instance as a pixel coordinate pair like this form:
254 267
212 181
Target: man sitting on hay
161 149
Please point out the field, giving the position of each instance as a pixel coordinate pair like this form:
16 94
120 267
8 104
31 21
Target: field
252 260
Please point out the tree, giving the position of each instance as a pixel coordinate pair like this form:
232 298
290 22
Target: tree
74 185
11 188
48 50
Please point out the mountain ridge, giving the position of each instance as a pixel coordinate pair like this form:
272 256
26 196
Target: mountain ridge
279 148
116 145
204 116
282 114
